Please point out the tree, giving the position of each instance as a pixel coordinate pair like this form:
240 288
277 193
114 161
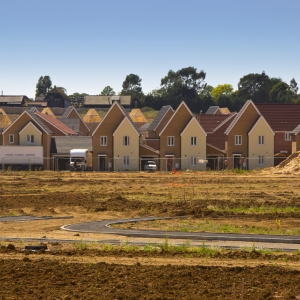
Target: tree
43 86
294 87
281 93
108 91
61 88
224 90
131 84
183 85
77 99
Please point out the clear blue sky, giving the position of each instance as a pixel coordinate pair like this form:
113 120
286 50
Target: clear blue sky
85 45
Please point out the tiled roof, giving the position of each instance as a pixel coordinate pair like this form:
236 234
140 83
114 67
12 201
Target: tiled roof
210 122
39 121
63 144
281 117
91 116
105 100
54 122
225 110
159 117
72 123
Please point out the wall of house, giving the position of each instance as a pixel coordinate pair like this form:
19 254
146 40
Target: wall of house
30 129
296 143
188 151
82 127
121 150
107 127
242 127
281 144
180 119
163 123
255 149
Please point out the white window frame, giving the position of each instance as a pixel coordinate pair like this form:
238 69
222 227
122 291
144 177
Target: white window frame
30 139
103 140
126 140
193 141
193 161
261 139
171 141
287 136
238 140
11 138
261 160
126 160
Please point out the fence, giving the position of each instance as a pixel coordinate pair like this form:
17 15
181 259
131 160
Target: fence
127 163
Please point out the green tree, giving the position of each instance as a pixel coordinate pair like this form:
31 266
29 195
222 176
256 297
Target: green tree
281 93
132 86
205 99
108 91
61 88
43 85
224 90
294 87
77 99
183 85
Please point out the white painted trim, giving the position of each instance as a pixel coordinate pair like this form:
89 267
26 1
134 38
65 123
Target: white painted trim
124 119
27 126
188 124
255 124
164 116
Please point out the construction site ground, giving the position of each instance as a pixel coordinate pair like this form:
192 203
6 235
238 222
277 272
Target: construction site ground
268 200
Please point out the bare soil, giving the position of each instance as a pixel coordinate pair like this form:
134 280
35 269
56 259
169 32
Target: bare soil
66 272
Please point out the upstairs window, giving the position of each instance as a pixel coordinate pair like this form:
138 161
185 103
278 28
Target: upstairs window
261 140
126 140
193 141
11 138
30 139
103 140
238 140
170 140
287 136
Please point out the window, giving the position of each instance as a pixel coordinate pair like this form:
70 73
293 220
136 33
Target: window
103 140
260 160
126 161
287 136
193 161
126 140
261 140
193 141
170 140
30 139
11 138
238 140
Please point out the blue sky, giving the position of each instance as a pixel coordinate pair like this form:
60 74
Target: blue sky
85 45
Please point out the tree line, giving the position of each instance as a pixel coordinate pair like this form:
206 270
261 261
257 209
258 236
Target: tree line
187 84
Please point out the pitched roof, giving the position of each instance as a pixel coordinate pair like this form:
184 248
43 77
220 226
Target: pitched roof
212 110
58 91
91 116
280 116
240 113
14 100
54 122
72 123
210 122
159 117
137 116
67 113
63 144
225 110
105 100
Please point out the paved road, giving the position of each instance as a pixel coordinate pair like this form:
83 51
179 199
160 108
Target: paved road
30 218
104 227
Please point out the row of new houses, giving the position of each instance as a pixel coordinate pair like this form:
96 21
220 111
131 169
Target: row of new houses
251 138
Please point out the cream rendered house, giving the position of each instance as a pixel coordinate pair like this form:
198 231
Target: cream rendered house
126 147
261 145
193 146
30 135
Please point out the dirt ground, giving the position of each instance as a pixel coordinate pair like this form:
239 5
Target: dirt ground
69 272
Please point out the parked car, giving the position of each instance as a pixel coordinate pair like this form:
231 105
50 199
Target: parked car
150 165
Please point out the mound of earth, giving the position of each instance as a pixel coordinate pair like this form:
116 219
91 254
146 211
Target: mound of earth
291 165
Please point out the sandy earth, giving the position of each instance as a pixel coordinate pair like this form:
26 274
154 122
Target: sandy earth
67 272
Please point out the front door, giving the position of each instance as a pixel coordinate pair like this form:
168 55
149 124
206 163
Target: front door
237 161
102 163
